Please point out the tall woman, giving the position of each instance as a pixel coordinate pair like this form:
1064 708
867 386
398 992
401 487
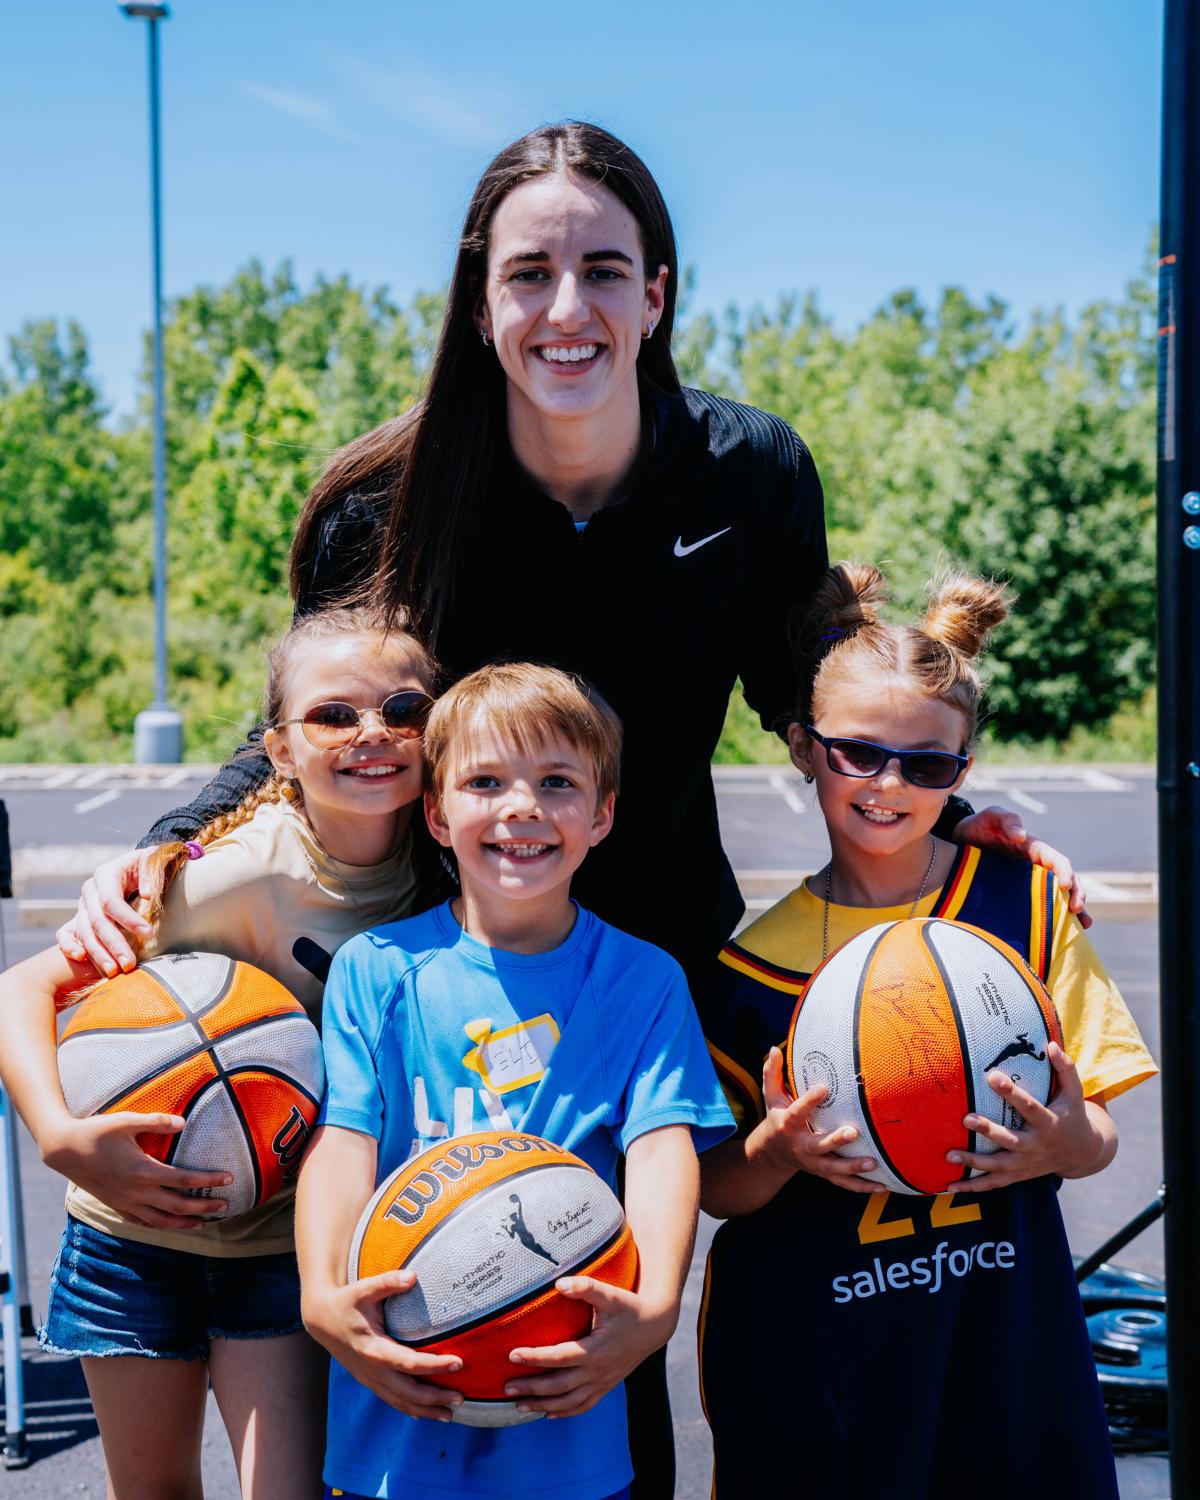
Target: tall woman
557 497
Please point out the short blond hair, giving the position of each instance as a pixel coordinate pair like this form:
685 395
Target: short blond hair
528 705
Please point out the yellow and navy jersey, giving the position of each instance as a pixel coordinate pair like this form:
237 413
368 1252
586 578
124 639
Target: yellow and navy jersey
919 1336
747 998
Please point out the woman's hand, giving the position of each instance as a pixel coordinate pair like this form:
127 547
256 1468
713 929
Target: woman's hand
997 828
1071 1136
348 1321
97 929
787 1142
626 1328
102 1156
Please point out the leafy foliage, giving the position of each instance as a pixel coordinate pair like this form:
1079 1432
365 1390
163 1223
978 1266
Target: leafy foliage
942 434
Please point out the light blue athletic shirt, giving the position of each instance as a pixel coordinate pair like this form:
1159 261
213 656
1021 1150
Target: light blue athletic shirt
429 1034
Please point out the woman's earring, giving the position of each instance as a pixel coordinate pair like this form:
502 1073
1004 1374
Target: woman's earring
484 337
648 330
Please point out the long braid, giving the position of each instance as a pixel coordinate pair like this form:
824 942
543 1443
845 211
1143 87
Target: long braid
167 860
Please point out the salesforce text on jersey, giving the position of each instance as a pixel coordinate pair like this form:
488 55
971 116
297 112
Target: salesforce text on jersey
925 1270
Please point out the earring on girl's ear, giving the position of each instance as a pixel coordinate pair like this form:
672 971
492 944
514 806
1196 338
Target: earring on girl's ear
484 337
809 778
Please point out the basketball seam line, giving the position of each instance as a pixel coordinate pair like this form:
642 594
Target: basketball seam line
174 1062
968 1062
859 1081
496 1312
180 1020
227 985
236 1103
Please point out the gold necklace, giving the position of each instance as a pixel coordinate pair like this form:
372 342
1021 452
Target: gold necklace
829 889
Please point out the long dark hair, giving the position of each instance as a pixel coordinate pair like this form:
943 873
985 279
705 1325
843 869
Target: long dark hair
432 464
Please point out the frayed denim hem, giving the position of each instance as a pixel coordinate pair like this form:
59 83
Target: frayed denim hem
48 1347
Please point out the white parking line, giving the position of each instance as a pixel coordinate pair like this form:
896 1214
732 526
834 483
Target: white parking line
1102 781
92 778
788 793
61 778
1023 799
99 800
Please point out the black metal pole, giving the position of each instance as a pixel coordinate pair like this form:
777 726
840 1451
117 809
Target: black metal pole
1179 720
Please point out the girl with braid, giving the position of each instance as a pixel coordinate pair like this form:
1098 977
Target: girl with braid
153 1288
858 1343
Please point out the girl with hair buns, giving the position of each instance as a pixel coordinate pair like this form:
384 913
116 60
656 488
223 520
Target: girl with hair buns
936 1346
153 1288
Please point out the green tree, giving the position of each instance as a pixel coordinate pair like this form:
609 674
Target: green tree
942 436
1043 474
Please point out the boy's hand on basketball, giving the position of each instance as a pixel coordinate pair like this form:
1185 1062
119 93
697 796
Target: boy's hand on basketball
1069 1136
997 828
626 1328
97 930
101 1155
787 1142
348 1321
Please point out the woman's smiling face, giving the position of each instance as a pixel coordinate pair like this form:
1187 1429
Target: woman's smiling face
567 297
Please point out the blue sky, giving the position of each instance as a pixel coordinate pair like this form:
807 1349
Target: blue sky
847 148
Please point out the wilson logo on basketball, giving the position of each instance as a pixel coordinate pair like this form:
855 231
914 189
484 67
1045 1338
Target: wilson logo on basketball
451 1167
289 1144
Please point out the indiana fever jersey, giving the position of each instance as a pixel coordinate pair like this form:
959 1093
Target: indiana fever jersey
886 1346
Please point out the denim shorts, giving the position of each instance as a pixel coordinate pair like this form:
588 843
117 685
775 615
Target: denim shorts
114 1296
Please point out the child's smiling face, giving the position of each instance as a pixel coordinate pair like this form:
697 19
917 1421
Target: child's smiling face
882 814
373 776
520 818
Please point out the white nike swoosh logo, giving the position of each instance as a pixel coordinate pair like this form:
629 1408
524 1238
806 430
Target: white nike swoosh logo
682 551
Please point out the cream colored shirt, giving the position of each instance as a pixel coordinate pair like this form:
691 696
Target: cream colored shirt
258 894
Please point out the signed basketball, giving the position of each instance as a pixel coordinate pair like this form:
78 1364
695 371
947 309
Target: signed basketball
488 1222
902 1025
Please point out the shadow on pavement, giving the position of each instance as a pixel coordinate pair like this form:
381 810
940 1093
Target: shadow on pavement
58 1411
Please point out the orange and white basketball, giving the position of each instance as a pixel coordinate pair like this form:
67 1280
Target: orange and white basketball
903 1024
488 1222
216 1041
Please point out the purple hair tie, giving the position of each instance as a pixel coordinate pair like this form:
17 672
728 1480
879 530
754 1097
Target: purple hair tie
194 850
835 633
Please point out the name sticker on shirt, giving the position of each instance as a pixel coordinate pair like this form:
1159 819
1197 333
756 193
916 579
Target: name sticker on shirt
511 1058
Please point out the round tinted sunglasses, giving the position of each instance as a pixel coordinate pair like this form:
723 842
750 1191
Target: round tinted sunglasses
329 726
933 769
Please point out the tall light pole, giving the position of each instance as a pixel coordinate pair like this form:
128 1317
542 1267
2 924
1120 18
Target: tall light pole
157 730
